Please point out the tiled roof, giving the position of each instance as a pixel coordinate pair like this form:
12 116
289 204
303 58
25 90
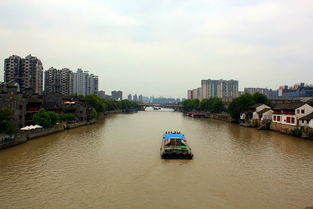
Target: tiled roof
307 117
264 110
291 106
256 105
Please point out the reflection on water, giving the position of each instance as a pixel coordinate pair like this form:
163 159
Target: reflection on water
116 164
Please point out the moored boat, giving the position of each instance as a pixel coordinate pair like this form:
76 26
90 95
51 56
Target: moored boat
175 146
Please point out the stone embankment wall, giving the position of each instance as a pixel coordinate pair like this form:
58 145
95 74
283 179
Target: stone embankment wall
113 112
9 141
43 132
221 116
286 129
22 136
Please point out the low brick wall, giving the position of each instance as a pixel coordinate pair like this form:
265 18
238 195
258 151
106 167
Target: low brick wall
75 125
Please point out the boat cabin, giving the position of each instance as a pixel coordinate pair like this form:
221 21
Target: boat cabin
174 140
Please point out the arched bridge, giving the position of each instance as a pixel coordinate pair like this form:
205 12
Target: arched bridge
169 106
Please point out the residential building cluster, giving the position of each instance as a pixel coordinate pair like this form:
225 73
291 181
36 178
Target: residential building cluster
298 90
25 104
152 99
272 94
215 88
282 117
135 98
228 89
28 73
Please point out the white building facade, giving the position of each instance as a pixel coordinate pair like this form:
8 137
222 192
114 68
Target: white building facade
85 84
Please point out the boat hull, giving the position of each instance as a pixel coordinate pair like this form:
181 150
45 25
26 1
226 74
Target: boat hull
175 146
176 156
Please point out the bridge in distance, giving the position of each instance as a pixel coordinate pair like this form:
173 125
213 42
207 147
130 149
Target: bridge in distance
169 106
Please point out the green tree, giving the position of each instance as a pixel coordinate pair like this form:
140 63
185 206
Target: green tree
53 117
310 102
96 102
94 113
7 122
42 117
191 105
216 105
205 105
240 104
260 98
66 117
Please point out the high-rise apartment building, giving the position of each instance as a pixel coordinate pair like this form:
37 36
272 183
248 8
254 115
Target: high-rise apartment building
135 98
264 91
92 84
101 94
85 84
12 69
140 98
218 88
59 81
26 72
129 97
117 95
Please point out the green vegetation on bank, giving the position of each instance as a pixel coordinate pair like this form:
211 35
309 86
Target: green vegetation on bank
47 119
242 103
214 105
7 122
103 105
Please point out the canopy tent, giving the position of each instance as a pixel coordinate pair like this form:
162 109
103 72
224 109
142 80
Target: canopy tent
31 127
173 136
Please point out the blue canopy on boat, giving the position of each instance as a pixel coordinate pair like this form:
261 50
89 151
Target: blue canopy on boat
176 136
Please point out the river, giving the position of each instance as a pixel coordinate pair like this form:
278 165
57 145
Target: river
115 164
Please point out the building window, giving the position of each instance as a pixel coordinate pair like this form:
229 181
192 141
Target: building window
293 120
278 118
298 111
302 111
288 119
274 117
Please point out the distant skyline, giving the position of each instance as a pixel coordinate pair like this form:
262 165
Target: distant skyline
164 48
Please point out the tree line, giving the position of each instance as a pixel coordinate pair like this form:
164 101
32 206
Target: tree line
103 105
216 105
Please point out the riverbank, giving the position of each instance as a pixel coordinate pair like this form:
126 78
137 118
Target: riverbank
21 137
304 133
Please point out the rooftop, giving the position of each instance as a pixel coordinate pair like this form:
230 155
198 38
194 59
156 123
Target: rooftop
291 106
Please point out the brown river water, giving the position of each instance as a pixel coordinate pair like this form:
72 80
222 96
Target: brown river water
116 164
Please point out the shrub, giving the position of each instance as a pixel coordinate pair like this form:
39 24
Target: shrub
297 132
6 122
66 117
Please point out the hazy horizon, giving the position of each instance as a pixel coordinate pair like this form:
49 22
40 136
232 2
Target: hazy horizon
164 48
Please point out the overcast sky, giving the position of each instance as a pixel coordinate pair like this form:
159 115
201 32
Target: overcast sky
165 47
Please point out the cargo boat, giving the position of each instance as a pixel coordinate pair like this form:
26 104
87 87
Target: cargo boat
175 146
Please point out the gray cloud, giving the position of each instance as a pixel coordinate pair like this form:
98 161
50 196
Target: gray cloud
165 47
